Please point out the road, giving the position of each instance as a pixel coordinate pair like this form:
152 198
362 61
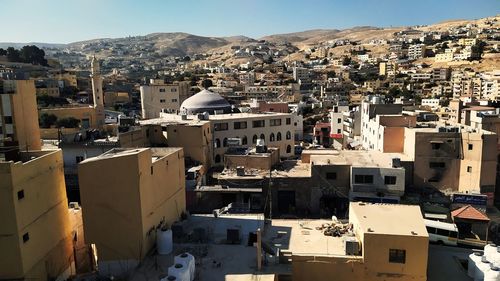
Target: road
443 263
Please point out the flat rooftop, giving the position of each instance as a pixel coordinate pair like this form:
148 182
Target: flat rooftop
389 219
285 169
357 158
156 153
302 238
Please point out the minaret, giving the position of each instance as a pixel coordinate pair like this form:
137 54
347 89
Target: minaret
96 83
97 90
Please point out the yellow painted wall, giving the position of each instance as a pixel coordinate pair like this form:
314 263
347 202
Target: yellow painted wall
42 213
195 140
120 208
94 115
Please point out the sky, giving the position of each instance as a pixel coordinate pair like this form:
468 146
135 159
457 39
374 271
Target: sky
65 21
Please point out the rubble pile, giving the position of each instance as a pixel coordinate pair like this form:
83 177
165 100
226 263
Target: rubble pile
335 229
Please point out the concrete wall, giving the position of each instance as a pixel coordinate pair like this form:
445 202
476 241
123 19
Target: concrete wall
196 141
42 215
94 117
253 161
137 193
478 166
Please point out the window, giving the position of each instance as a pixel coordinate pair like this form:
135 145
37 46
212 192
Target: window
26 237
220 126
339 131
390 180
288 149
174 100
437 165
443 232
244 140
20 194
254 139
217 143
397 256
430 230
162 90
288 135
78 159
271 137
258 123
151 169
224 142
360 179
331 176
278 136
470 146
173 90
275 122
162 100
435 146
469 169
7 119
339 120
262 137
240 125
289 121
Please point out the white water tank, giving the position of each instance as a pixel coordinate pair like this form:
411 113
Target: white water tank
179 271
490 250
188 261
474 258
483 266
164 242
493 274
495 260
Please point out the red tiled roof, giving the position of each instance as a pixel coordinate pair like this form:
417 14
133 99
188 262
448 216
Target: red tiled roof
469 213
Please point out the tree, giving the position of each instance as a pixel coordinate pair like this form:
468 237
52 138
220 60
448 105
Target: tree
69 122
32 54
346 61
3 52
207 83
47 120
13 55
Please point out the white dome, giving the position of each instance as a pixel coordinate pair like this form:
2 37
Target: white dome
205 101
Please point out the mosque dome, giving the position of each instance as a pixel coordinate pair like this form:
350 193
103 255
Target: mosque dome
205 101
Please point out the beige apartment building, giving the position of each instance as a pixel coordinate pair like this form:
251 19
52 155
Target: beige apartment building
36 236
19 115
140 190
453 159
392 242
159 96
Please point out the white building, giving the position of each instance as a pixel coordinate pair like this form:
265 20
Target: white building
416 51
432 103
159 96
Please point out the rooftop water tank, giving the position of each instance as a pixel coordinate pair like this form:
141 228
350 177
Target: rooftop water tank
481 268
474 258
490 250
180 272
164 241
493 274
188 261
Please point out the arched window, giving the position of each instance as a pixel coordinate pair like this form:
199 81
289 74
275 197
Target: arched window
288 135
271 137
217 143
254 139
244 140
288 149
278 136
262 137
217 158
224 142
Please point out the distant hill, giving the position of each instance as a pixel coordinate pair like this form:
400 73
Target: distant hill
5 45
181 44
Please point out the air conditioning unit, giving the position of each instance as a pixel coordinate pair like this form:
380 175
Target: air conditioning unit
240 171
396 162
352 247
